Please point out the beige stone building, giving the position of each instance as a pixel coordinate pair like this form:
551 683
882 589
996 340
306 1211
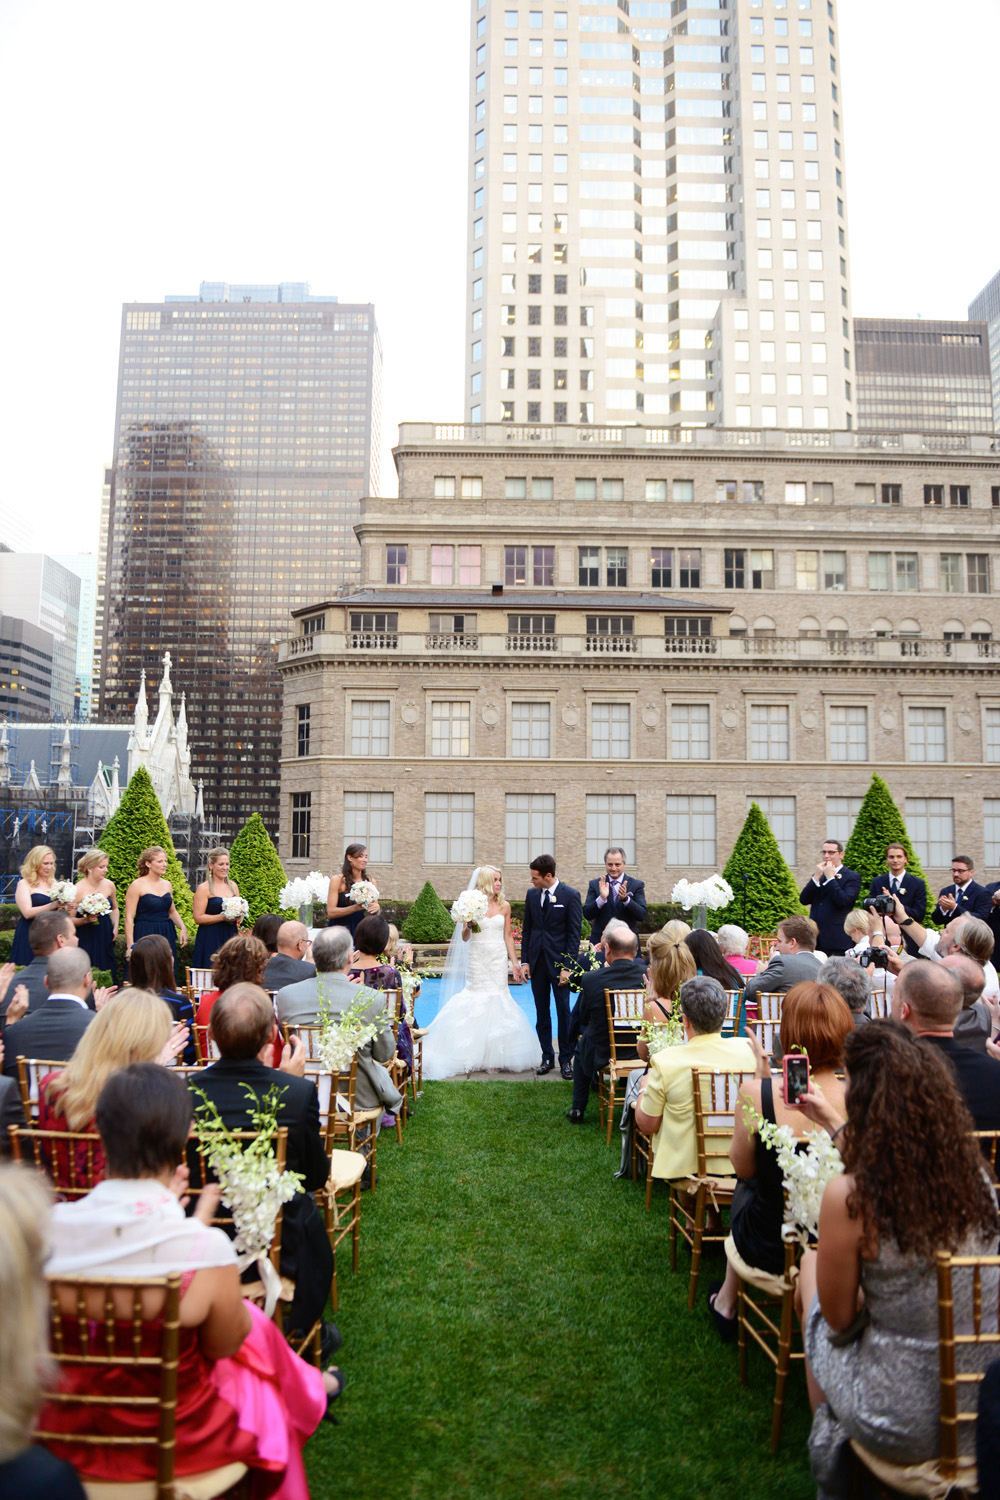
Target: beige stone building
570 637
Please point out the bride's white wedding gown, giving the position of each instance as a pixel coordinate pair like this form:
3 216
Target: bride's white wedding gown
482 1026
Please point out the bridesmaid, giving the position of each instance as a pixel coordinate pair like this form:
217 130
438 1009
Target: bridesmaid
96 935
341 911
31 895
149 903
213 929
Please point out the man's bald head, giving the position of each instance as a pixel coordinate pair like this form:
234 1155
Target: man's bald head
927 997
969 975
292 938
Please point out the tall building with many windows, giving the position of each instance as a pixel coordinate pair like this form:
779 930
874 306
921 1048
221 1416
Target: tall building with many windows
920 375
657 214
986 308
247 429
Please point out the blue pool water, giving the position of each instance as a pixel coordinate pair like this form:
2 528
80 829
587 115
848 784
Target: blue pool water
429 1002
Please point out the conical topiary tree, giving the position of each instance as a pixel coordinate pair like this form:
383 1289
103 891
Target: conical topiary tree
771 892
138 824
879 822
428 920
257 870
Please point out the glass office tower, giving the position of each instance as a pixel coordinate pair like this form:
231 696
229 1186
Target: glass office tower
247 430
657 214
986 308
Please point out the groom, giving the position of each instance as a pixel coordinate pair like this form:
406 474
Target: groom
550 943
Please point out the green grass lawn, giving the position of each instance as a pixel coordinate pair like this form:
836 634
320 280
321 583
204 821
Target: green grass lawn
514 1329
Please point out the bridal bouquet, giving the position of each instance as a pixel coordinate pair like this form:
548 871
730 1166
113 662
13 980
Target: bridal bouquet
93 906
806 1172
470 907
712 893
253 1187
235 909
364 892
64 892
344 1034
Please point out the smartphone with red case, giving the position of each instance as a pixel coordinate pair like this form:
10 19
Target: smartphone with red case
796 1069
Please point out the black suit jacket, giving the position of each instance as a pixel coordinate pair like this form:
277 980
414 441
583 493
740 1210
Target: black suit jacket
974 903
282 969
223 1083
828 906
554 937
589 1021
51 1032
978 1079
631 912
11 1111
33 976
994 916
913 894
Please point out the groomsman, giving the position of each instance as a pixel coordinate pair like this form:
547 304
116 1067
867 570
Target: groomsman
830 894
614 897
550 942
964 898
909 888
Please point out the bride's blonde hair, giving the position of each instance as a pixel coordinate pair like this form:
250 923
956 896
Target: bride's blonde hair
484 881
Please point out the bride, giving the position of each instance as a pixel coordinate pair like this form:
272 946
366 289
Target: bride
480 1025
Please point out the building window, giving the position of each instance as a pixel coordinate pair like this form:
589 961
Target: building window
470 565
735 568
610 624
395 564
959 494
879 574
762 568
303 713
368 821
933 494
515 566
616 559
892 494
589 567
662 567
375 622
472 487
977 566
689 568
683 489
313 624
531 625
769 731
442 565
930 822
610 736
543 566
795 493
444 486
848 733
780 815
515 488
530 730
541 489
691 833
927 734
530 826
449 828
689 731
991 831
991 734
951 572
841 813
451 728
687 625
610 820
301 824
907 576
807 570
585 489
835 570
656 489
370 726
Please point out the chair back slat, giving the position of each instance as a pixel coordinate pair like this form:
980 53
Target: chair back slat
199 980
716 1095
310 1036
734 1011
624 1012
69 1158
964 1355
768 1032
881 1005
30 1072
769 1003
988 1142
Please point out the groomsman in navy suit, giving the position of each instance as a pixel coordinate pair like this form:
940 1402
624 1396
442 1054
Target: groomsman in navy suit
830 895
550 943
964 898
614 897
910 890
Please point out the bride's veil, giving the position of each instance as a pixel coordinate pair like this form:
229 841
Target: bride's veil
457 958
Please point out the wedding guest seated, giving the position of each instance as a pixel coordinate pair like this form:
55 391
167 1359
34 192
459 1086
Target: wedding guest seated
792 960
289 964
267 928
675 929
26 1469
397 950
242 1026
240 960
967 935
151 967
913 1184
733 943
588 1025
852 983
814 1020
47 932
928 1001
242 1394
974 1025
53 1031
11 1108
710 960
368 966
671 962
134 1026
665 1107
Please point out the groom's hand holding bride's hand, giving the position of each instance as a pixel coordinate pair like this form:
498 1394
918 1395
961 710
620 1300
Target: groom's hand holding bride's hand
564 976
517 972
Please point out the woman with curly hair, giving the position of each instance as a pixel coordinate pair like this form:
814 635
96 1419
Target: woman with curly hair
913 1184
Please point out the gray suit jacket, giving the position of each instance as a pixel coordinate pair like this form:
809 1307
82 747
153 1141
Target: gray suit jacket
299 1005
784 970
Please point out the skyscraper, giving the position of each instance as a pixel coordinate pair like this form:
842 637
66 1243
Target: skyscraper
657 215
247 428
84 565
919 375
986 307
41 591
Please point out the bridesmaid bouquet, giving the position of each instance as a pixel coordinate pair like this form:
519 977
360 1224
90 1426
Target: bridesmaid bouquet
235 909
64 892
93 906
470 907
364 893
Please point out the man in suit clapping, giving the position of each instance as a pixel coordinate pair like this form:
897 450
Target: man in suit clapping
909 888
965 898
614 897
550 943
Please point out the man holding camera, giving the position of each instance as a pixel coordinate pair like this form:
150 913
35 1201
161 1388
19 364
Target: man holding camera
911 890
830 894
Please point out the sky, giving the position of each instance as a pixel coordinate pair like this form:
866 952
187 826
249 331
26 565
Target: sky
147 148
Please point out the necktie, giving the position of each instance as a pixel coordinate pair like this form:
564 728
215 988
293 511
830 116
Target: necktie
894 886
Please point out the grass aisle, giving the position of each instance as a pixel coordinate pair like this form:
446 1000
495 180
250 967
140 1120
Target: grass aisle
514 1328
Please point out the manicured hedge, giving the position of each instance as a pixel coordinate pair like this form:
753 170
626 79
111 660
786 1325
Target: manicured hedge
429 920
139 824
257 870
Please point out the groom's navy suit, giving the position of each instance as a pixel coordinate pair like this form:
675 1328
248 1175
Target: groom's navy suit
550 941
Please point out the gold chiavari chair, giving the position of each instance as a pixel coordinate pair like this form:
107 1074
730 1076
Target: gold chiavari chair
73 1160
624 1015
30 1072
765 1312
199 980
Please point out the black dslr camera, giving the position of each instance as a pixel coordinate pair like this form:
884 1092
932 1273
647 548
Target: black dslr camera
877 956
882 902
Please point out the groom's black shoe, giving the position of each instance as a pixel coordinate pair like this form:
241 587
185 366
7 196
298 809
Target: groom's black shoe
575 1116
567 1070
548 1063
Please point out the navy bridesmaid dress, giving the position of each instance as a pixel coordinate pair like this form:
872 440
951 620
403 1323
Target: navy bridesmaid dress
98 940
351 920
20 948
211 937
152 915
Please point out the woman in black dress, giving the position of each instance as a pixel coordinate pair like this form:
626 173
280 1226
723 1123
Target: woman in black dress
151 967
96 934
341 911
213 928
149 903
